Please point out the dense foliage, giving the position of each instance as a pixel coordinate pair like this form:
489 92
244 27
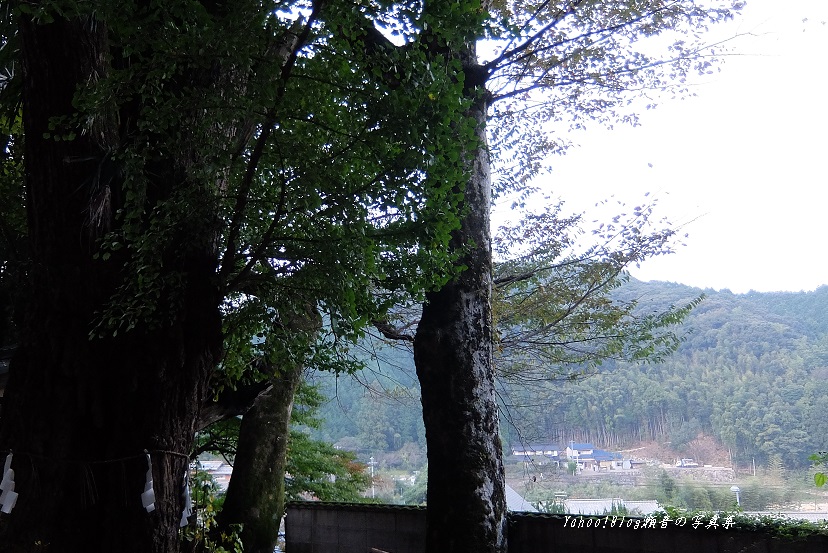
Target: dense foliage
316 469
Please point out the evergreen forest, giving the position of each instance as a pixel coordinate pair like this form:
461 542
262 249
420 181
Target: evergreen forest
750 371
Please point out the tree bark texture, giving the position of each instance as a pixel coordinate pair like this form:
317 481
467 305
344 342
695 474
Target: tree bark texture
466 507
256 495
80 413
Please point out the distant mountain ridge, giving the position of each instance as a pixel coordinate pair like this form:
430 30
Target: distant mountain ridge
752 371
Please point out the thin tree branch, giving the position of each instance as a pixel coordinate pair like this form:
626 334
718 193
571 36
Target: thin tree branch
243 194
391 332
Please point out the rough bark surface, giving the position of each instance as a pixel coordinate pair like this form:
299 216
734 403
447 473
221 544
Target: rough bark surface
80 413
453 355
256 495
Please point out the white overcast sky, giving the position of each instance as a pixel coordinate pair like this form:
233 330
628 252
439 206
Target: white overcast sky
745 160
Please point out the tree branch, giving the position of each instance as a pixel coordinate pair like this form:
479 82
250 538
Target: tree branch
293 42
230 403
494 64
520 277
391 332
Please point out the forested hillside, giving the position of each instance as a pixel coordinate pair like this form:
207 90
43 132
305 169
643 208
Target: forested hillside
751 371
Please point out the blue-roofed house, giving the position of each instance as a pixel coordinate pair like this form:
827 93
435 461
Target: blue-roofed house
577 450
607 460
588 457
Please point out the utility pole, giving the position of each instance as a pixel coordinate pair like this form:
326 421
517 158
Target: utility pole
371 464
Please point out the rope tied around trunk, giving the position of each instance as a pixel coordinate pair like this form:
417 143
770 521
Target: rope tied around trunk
8 495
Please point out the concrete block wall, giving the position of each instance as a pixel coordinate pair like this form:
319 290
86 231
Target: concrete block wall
314 527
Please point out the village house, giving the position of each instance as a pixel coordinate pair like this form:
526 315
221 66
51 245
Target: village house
536 450
590 458
585 454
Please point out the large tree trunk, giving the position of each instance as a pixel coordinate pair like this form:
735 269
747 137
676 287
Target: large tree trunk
453 355
256 495
79 413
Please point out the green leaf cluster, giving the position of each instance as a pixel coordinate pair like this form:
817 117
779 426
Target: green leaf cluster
205 535
820 478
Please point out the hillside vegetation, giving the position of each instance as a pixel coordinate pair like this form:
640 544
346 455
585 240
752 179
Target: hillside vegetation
751 372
